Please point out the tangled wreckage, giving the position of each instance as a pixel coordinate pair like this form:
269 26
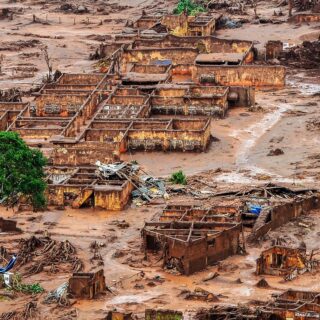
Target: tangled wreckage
189 238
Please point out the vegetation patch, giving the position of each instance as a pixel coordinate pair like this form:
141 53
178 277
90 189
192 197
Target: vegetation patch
189 7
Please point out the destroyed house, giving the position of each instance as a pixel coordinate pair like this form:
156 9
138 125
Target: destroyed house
190 246
9 111
203 24
61 108
284 261
217 213
282 205
190 100
82 187
292 304
87 285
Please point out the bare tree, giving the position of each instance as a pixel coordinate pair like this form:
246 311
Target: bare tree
48 62
2 56
291 5
255 5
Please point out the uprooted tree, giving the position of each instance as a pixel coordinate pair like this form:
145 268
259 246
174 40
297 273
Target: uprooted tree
21 172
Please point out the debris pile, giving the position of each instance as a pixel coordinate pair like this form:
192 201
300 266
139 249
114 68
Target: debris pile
227 312
313 125
47 254
11 95
60 295
198 294
29 312
305 56
146 186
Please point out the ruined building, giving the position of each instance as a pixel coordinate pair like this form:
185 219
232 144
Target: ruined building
286 262
161 83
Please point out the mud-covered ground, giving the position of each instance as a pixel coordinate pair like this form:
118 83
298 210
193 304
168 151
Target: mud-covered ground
282 119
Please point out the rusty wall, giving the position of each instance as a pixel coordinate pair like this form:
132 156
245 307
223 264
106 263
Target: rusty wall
83 153
81 78
4 118
246 96
244 75
193 255
284 213
56 193
146 56
113 197
145 22
167 140
12 106
204 44
37 133
85 87
201 30
62 104
226 244
305 17
85 112
142 68
173 22
215 106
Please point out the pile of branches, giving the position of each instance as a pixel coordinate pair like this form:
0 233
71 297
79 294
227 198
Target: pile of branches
29 312
11 95
306 56
46 252
229 312
313 125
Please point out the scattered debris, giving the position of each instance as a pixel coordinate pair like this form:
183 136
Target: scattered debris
306 56
198 294
275 152
39 254
262 283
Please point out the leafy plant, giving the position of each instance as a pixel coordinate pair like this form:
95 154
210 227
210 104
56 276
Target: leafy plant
21 172
179 178
18 286
190 7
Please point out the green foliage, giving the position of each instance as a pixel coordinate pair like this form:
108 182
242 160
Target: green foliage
188 6
21 172
179 178
17 285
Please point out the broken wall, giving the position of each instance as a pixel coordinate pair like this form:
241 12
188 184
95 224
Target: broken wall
283 213
244 75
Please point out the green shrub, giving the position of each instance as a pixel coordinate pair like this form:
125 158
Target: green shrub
179 178
188 6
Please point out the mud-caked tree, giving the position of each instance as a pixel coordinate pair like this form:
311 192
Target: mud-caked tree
21 172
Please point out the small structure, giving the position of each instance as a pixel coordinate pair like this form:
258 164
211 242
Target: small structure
293 304
189 246
87 285
119 315
8 225
286 262
83 187
273 49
